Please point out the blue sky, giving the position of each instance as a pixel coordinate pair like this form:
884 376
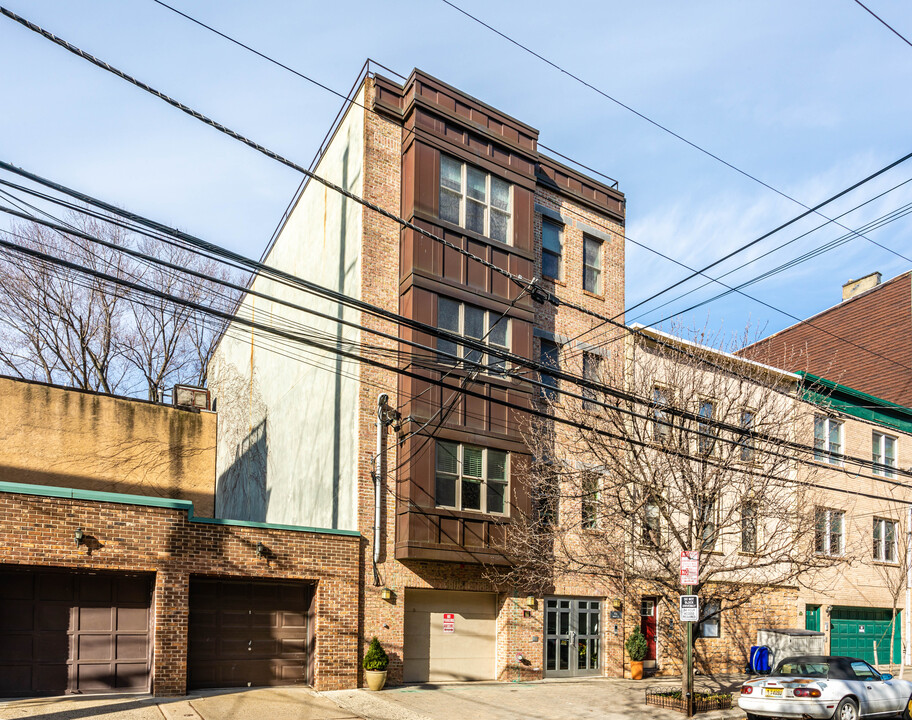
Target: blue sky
809 97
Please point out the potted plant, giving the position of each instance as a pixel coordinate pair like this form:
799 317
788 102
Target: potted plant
375 662
636 649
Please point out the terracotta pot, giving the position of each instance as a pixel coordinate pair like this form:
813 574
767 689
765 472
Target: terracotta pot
636 669
376 679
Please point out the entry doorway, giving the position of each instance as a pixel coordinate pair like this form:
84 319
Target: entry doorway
572 637
648 628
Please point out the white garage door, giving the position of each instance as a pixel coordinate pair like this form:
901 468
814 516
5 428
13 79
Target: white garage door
449 635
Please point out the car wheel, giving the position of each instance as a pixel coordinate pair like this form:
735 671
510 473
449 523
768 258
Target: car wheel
846 710
907 710
751 716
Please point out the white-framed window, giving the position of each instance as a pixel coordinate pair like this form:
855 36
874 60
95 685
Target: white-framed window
549 357
592 265
485 326
591 372
885 540
651 528
707 436
475 199
829 532
710 620
707 516
661 418
552 249
749 525
469 477
883 453
746 444
828 442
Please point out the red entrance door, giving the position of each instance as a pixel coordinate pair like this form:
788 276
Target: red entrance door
648 626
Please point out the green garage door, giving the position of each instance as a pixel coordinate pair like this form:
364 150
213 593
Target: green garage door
855 630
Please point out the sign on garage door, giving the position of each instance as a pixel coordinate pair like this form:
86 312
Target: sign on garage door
73 632
449 635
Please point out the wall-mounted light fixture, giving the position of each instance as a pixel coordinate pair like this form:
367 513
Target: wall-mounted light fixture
530 601
80 536
829 609
616 603
386 594
260 550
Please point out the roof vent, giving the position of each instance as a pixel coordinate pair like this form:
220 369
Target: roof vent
188 396
856 287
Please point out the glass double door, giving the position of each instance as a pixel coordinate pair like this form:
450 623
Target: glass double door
572 637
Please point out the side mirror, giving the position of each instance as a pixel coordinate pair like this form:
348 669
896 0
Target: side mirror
886 676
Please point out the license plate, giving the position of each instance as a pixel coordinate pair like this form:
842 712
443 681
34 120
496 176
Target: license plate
774 692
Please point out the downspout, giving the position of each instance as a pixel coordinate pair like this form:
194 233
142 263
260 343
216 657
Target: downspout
382 401
907 610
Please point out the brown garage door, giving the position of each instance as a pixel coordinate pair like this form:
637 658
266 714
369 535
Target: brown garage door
248 634
449 635
66 632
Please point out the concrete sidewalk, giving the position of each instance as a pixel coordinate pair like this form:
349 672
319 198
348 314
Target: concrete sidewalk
603 698
289 703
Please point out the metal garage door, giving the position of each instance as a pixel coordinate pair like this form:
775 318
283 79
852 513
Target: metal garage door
66 632
855 630
449 635
248 634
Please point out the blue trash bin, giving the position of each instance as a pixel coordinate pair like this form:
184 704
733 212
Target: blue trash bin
760 659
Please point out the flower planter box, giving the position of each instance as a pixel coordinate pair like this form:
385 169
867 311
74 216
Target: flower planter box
673 700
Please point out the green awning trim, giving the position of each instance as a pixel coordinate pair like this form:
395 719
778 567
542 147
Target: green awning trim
148 501
827 394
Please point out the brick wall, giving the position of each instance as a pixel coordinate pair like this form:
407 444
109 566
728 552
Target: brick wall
38 531
879 320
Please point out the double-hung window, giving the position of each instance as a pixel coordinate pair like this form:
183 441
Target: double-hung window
592 265
591 367
746 443
485 326
829 532
828 440
749 512
883 453
710 619
549 357
707 515
884 540
651 530
551 249
706 434
474 199
472 478
661 425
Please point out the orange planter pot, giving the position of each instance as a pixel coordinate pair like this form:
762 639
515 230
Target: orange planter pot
636 669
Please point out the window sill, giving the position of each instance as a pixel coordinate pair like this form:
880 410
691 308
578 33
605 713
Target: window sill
554 281
745 553
596 296
885 563
470 514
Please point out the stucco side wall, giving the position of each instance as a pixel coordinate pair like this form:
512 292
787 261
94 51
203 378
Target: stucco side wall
287 411
69 438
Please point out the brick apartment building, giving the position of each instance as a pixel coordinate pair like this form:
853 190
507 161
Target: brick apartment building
114 576
298 442
864 342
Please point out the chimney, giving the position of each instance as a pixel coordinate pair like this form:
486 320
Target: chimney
856 287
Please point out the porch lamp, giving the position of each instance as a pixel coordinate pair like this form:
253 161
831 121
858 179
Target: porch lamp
260 550
616 603
79 535
530 601
386 594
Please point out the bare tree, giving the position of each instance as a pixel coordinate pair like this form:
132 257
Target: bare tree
893 570
695 454
63 327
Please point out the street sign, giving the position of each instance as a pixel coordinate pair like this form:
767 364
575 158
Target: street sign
690 567
690 608
449 622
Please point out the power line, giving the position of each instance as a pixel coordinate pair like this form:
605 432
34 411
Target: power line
885 23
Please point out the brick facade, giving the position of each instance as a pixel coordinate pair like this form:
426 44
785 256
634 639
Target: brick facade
164 541
879 320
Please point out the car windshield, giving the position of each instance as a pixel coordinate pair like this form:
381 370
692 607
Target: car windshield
799 668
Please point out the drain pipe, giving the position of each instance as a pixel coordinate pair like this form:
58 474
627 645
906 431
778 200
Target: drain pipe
382 410
907 610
